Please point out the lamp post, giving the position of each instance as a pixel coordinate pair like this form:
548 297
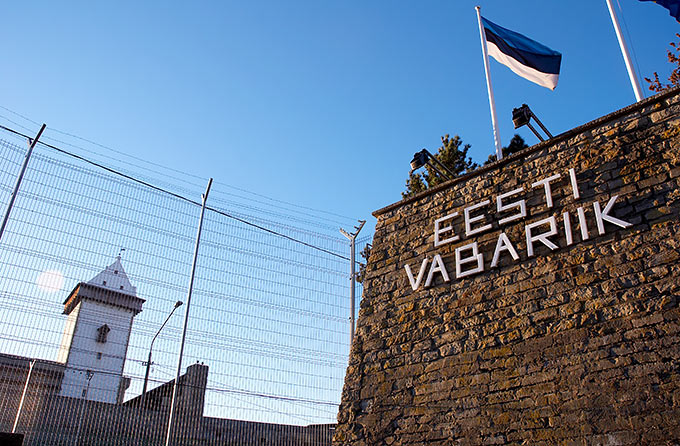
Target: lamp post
88 374
148 362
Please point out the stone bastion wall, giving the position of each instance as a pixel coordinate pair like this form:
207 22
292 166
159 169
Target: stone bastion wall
533 301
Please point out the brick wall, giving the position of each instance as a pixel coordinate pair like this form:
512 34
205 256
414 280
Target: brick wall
574 341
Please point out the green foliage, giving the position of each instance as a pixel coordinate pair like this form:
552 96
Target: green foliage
674 79
365 253
516 144
452 154
414 185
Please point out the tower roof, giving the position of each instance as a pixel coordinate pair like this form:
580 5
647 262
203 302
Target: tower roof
111 286
114 278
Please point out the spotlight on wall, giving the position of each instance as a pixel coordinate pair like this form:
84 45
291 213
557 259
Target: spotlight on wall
522 116
423 158
419 160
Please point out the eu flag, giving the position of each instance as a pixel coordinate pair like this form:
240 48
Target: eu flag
672 5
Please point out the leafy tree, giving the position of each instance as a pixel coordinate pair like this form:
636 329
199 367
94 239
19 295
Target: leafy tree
452 154
674 79
516 144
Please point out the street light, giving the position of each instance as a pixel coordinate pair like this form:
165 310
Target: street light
148 363
88 374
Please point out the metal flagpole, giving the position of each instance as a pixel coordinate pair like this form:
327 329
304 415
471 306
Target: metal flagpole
186 314
353 277
23 395
626 57
21 177
492 103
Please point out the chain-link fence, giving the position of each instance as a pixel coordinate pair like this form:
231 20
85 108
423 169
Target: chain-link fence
95 264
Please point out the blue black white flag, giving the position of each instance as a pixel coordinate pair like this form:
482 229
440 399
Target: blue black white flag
526 57
673 6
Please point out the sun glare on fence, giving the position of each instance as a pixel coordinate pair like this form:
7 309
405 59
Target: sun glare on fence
93 263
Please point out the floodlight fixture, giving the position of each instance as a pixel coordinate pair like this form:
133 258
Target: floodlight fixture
423 158
419 160
521 116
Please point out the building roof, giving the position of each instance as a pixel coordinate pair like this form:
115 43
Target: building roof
195 377
104 295
7 359
114 278
111 286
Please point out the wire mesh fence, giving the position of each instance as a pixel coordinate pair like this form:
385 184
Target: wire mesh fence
95 265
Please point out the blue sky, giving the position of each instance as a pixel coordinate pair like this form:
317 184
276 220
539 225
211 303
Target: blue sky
319 103
269 316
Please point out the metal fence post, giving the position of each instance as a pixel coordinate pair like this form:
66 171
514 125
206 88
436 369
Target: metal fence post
23 395
353 277
21 177
186 315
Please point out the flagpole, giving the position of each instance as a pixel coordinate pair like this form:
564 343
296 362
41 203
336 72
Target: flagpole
626 56
492 103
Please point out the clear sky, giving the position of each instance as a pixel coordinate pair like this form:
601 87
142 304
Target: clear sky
319 103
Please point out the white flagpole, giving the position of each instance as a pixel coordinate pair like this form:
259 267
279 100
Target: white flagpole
626 57
492 103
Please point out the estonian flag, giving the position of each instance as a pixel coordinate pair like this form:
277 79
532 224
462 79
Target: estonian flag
524 56
672 5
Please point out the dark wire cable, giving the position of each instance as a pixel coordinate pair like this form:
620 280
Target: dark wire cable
180 197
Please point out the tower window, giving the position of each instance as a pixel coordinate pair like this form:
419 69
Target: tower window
102 333
105 282
99 355
121 287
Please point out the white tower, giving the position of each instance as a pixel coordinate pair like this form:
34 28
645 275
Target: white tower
96 336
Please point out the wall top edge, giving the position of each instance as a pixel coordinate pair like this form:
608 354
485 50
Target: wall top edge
535 148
